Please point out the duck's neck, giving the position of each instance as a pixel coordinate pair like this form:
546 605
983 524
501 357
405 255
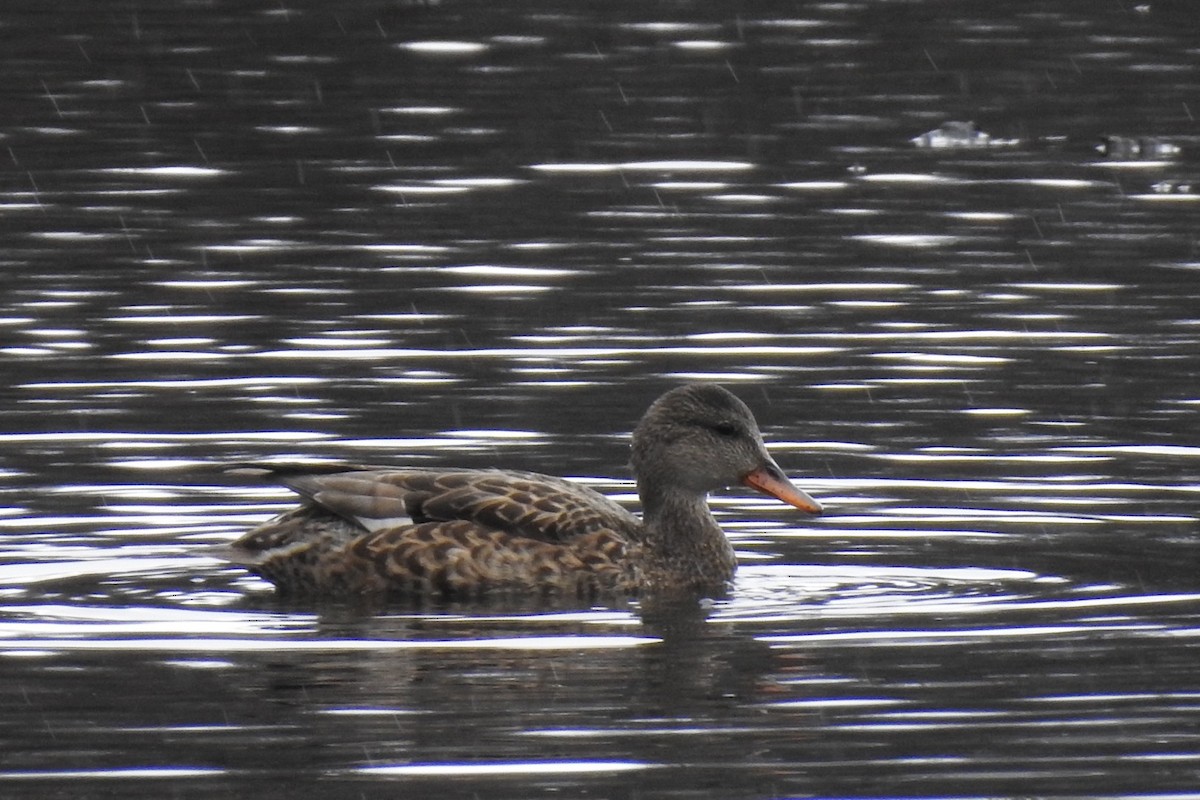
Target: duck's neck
686 548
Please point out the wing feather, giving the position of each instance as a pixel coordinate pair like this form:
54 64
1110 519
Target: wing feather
521 504
451 533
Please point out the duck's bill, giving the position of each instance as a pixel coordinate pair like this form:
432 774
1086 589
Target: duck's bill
769 479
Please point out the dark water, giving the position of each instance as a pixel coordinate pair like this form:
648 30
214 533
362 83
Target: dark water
469 233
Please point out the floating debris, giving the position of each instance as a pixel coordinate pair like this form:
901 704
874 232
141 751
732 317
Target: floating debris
1131 148
958 136
953 134
1173 187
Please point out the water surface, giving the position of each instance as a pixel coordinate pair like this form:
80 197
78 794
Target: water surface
478 234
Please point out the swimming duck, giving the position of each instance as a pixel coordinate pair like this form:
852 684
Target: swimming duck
459 533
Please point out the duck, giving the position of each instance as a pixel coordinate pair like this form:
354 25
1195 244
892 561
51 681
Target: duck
467 533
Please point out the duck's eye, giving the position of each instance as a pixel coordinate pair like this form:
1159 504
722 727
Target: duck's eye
726 429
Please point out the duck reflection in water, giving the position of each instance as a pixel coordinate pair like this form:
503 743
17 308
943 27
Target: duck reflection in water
466 533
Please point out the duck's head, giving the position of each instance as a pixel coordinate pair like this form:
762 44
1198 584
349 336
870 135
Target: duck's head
700 437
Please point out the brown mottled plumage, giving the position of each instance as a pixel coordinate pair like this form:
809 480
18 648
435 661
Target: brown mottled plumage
463 533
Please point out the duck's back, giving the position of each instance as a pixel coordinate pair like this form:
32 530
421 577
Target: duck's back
447 532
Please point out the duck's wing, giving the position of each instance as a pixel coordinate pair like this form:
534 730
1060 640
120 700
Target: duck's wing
313 551
522 504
